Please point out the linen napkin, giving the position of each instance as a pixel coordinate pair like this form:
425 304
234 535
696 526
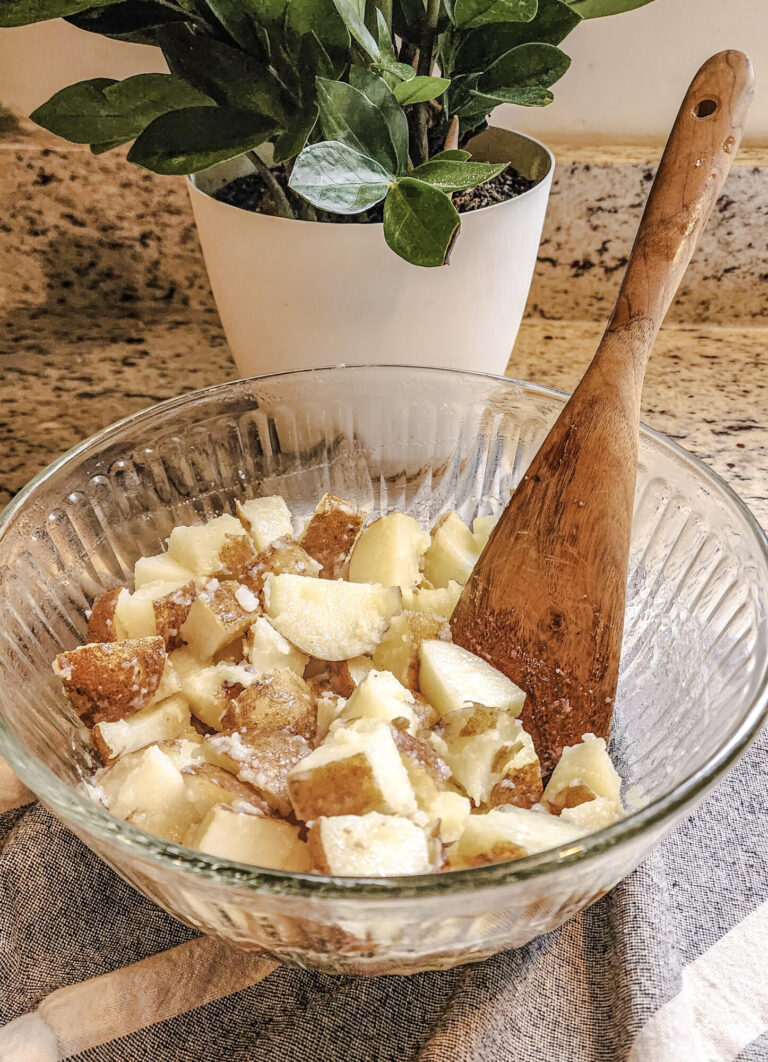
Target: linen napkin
671 966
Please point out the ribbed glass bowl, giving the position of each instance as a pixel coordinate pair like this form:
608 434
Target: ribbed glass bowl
693 677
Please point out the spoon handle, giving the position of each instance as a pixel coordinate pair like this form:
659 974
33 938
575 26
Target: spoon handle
696 160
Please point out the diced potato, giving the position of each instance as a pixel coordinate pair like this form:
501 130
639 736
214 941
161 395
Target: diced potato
160 569
208 785
448 810
370 845
222 612
426 714
283 557
253 839
236 557
265 520
486 746
267 650
331 534
332 620
101 625
147 789
111 680
481 530
281 700
593 815
390 552
210 690
169 684
171 612
398 650
509 833
453 552
166 719
134 615
441 602
329 708
380 696
583 772
451 677
427 771
264 759
339 676
357 769
198 548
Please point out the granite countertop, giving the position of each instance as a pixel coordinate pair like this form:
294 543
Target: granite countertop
106 307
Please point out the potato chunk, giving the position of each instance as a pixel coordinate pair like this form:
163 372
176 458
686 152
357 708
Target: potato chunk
441 602
332 620
208 785
583 772
267 650
281 700
157 722
253 839
485 747
380 696
171 612
134 615
508 833
482 526
329 708
593 815
283 557
210 690
111 680
451 677
264 759
389 552
398 650
101 624
147 789
221 612
160 569
357 769
331 534
370 845
265 520
453 552
199 548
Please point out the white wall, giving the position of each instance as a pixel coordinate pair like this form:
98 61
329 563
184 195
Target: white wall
628 74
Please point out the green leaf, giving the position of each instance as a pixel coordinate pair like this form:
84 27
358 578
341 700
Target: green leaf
102 111
599 8
130 20
480 47
454 176
420 222
353 14
195 138
319 17
467 13
291 140
100 149
228 75
452 154
241 23
523 75
379 131
23 12
420 89
335 177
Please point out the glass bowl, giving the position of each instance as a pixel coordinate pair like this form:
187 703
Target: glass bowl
693 678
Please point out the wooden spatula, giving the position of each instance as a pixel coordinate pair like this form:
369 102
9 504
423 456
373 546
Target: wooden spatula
545 603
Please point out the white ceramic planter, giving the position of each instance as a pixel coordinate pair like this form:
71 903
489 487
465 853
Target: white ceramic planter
298 294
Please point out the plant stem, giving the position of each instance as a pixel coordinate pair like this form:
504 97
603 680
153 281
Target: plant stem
452 139
420 114
190 16
282 207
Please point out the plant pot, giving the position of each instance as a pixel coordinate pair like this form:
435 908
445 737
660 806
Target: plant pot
298 294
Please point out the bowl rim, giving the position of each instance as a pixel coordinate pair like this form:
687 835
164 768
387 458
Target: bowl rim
86 816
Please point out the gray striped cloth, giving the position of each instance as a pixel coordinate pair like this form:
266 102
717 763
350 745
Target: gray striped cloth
671 966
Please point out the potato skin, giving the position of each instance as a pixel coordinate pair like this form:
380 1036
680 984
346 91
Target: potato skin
101 626
281 700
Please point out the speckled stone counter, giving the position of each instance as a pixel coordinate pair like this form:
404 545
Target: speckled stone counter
106 308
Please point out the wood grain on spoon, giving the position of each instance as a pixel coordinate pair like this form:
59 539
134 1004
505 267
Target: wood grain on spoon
545 603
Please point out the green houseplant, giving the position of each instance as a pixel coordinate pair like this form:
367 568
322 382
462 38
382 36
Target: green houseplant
369 112
355 98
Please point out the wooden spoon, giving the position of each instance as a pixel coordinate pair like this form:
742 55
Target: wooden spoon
545 603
